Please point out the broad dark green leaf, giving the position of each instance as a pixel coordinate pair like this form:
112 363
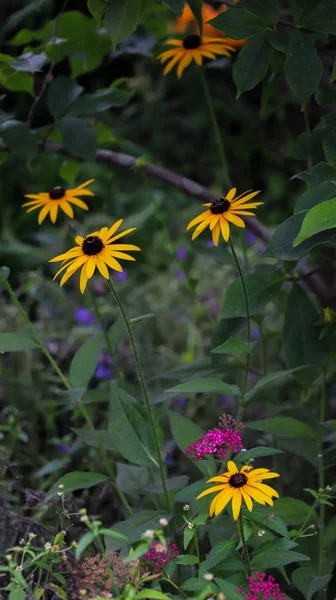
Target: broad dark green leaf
228 588
302 345
19 139
176 6
105 438
121 18
77 480
261 289
317 16
278 376
134 527
252 63
61 94
239 24
315 194
268 519
319 218
281 242
16 81
294 512
148 593
302 51
329 147
258 452
206 385
196 8
283 426
235 347
130 430
308 145
90 104
218 554
186 559
97 8
186 432
267 11
318 174
299 9
318 583
83 543
79 138
16 342
274 554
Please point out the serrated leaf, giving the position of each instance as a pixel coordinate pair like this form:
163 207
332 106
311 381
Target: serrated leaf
302 51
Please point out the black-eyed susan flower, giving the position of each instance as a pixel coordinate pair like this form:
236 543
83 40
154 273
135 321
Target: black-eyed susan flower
193 47
240 485
58 197
222 212
97 249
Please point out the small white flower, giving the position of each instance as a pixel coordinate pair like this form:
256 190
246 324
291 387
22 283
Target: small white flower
22 541
9 557
18 568
84 519
47 546
61 486
190 525
149 533
328 488
243 450
74 544
31 535
163 522
208 576
82 511
59 493
261 532
186 507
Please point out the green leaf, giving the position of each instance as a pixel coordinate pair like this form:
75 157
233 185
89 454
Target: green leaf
330 534
208 384
186 559
266 518
239 24
258 452
252 63
318 583
83 543
19 139
315 194
283 426
105 438
266 380
329 147
61 94
121 18
186 432
302 344
188 535
318 174
294 512
234 346
83 364
79 138
134 527
302 51
228 588
129 429
176 6
16 81
218 554
148 593
319 16
261 289
196 9
69 171
58 591
77 480
274 554
281 242
16 342
91 104
97 8
267 11
29 62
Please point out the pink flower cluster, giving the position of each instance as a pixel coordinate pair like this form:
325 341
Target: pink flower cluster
263 587
216 441
158 555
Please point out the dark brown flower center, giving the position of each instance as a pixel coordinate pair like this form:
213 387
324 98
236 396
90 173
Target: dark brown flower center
92 245
238 480
192 41
57 193
219 206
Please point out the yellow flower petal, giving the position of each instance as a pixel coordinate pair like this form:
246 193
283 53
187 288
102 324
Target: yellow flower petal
218 478
223 499
236 504
214 488
200 218
83 280
231 194
265 489
234 219
67 209
43 213
53 211
79 203
257 495
171 64
90 266
116 237
103 268
232 468
225 228
216 233
247 499
184 63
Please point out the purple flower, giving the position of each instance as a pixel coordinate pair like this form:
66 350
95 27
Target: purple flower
159 555
217 442
104 369
179 274
251 238
181 253
121 276
181 402
83 316
262 587
210 244
65 449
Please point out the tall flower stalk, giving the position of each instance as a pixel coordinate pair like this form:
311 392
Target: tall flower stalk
68 386
143 389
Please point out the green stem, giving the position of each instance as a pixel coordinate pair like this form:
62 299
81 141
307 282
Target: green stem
143 389
321 478
67 385
226 174
312 508
245 548
248 333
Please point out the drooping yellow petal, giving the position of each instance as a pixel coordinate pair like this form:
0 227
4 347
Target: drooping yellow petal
90 266
102 267
223 499
218 479
208 54
234 219
53 211
67 209
258 472
214 221
247 499
201 227
172 63
197 56
211 490
257 495
122 255
268 475
236 504
199 218
265 489
184 63
43 196
216 233
113 263
124 247
225 228
231 194
83 280
79 203
43 214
